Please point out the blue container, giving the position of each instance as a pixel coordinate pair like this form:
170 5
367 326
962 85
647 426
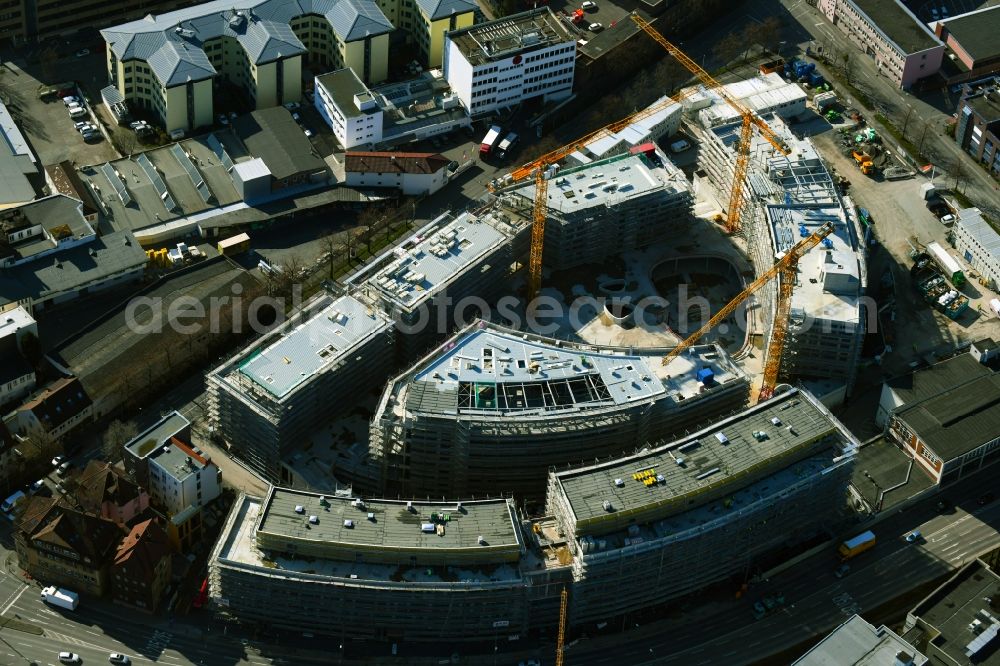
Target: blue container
706 376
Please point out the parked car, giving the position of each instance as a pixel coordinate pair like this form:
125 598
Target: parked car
58 460
70 658
588 5
222 119
71 99
292 106
118 658
595 27
77 112
63 468
948 220
93 136
82 52
842 570
984 499
914 536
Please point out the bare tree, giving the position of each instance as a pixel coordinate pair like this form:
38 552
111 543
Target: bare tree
329 243
349 245
727 48
124 141
769 33
117 434
290 273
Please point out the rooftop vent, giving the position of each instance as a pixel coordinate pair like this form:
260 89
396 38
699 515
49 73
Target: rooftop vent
371 516
314 520
620 482
679 460
722 438
348 523
409 507
427 528
481 540
608 506
775 421
299 508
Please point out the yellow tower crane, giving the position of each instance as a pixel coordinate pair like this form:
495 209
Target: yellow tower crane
784 269
561 636
750 120
537 169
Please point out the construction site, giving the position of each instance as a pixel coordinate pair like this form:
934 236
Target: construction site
630 434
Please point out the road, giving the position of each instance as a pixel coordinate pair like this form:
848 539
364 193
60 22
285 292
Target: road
897 105
816 600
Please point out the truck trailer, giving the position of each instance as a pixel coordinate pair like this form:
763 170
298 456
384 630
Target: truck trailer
57 596
486 147
949 265
856 545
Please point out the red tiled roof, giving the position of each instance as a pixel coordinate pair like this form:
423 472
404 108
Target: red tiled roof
188 451
418 163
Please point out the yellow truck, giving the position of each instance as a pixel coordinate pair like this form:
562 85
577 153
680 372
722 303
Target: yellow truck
234 245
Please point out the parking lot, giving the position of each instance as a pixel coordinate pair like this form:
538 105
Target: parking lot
47 123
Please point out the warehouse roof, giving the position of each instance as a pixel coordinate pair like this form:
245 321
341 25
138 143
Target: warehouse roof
959 420
898 24
393 524
273 135
173 43
17 162
413 163
60 216
927 382
794 426
976 32
304 350
68 270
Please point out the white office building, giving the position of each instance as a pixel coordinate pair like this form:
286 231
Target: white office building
349 108
499 64
978 244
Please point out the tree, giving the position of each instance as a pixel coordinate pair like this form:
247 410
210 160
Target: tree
124 141
769 33
289 273
329 243
118 434
727 48
349 245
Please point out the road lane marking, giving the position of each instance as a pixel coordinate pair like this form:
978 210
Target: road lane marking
14 600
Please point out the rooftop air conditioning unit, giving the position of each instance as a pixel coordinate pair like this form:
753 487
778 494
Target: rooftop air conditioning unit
620 482
299 508
348 523
314 520
322 499
481 540
607 505
409 507
371 516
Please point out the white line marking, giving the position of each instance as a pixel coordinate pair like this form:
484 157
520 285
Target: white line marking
13 601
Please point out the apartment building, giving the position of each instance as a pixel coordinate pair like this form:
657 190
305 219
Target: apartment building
104 490
274 394
135 454
978 127
610 206
427 22
17 377
412 174
903 48
24 21
492 409
500 64
707 505
53 412
62 546
169 63
381 570
785 199
142 566
979 244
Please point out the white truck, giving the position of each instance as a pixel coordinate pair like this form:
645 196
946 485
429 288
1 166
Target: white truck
57 596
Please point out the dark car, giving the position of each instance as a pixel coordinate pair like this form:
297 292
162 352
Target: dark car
985 499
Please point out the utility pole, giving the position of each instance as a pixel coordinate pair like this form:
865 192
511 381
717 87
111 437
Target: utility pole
920 145
906 120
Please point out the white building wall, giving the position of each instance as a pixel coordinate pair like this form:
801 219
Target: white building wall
176 493
408 183
351 129
979 245
546 72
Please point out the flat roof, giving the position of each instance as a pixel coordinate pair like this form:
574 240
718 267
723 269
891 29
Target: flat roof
972 221
718 454
891 468
858 643
951 608
154 436
393 525
309 347
342 85
958 420
17 162
976 32
440 252
987 107
898 24
13 320
59 215
503 38
609 182
762 93
926 382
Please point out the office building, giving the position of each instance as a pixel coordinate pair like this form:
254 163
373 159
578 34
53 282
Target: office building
903 47
953 433
858 643
380 570
168 64
179 475
651 128
708 505
766 94
492 409
500 64
274 394
609 206
978 127
785 199
349 108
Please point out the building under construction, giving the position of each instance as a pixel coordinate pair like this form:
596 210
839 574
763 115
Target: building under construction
609 206
619 536
785 199
274 394
492 409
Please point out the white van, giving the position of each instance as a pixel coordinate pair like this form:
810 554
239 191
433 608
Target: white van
995 306
679 146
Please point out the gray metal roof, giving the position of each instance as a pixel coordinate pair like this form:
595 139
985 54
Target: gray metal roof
17 163
959 420
436 9
312 346
927 382
172 43
274 136
971 220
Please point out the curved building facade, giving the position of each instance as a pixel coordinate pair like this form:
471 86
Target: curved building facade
492 409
